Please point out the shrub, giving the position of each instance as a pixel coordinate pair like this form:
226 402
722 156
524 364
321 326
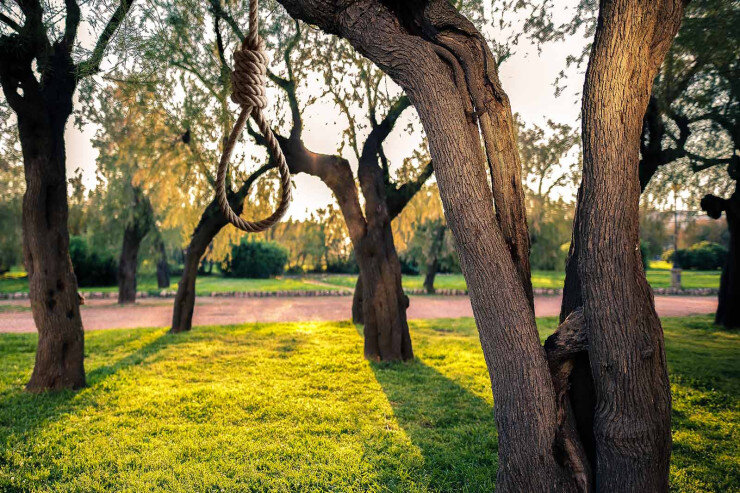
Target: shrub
704 255
91 268
253 259
343 265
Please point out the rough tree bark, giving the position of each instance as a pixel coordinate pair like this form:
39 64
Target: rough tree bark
210 223
42 106
42 114
134 231
631 422
728 309
431 51
438 59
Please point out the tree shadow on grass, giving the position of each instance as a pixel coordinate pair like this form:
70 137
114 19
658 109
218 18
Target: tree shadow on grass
22 412
454 429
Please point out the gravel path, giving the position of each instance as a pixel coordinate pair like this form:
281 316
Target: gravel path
106 314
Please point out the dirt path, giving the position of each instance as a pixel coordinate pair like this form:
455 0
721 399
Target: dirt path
105 314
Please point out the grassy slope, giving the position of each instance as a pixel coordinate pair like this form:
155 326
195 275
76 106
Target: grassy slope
294 407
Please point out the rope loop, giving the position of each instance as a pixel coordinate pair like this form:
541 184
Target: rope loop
248 82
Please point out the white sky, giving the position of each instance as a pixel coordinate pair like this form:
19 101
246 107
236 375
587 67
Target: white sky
527 77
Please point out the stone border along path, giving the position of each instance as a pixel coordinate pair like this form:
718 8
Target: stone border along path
157 312
338 291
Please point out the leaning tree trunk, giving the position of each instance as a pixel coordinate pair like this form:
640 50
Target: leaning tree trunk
42 116
728 307
211 222
625 339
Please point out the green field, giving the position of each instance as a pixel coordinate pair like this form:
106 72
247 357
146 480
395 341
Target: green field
658 278
203 285
295 407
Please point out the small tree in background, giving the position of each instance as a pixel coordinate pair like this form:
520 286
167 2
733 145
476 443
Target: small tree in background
433 249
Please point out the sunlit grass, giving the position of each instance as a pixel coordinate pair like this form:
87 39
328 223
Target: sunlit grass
295 407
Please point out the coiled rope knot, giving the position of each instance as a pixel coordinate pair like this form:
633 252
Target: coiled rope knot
248 81
249 78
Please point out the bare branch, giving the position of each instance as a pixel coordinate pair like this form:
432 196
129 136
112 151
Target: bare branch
10 22
71 23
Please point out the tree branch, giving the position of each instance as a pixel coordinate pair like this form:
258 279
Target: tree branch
10 22
92 64
381 131
71 23
398 197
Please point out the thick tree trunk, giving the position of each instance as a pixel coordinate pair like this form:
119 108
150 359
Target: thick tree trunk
42 114
625 338
491 259
211 222
384 303
728 307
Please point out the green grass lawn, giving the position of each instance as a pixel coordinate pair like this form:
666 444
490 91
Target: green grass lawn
203 285
658 278
295 407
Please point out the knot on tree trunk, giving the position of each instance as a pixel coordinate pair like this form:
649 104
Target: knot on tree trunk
561 348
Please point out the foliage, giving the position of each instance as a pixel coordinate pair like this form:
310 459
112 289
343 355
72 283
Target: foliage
704 255
255 259
91 268
12 186
295 407
433 243
653 234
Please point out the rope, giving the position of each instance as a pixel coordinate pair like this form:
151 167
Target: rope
248 90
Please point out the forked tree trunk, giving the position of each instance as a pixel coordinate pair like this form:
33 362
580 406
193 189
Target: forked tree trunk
625 339
42 116
728 307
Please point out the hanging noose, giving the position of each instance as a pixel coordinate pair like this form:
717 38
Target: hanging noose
248 90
